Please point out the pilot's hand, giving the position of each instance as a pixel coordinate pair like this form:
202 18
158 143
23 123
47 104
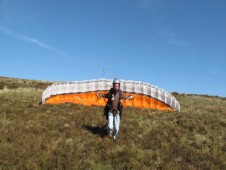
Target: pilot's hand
99 95
130 98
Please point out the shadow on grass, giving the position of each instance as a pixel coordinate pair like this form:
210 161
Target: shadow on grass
99 131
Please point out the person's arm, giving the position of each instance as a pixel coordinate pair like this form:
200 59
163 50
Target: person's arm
103 95
124 97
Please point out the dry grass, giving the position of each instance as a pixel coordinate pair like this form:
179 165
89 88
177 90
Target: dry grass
69 136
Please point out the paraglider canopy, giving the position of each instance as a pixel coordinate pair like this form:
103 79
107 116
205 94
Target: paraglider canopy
84 92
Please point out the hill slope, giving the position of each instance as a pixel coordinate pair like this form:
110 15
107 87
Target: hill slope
69 136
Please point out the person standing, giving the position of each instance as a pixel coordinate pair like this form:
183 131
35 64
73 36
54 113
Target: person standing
114 107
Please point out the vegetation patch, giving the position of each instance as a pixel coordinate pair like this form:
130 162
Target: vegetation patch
69 136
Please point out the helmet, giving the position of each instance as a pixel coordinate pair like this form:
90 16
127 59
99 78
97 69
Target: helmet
116 81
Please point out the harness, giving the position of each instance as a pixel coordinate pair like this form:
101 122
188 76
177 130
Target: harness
108 107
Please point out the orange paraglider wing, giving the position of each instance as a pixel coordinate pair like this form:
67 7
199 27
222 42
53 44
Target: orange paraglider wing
85 92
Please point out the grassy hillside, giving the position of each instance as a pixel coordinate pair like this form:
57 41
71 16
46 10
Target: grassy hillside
69 136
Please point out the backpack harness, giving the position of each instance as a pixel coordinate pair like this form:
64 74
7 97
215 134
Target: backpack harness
108 107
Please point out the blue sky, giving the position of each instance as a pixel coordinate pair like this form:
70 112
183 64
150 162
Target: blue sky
177 45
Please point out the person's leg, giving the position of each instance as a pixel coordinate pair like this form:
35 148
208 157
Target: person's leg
110 123
116 122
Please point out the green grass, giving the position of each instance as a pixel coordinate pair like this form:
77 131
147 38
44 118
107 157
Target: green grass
69 136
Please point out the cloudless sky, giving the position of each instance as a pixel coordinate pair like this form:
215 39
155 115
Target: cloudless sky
176 45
